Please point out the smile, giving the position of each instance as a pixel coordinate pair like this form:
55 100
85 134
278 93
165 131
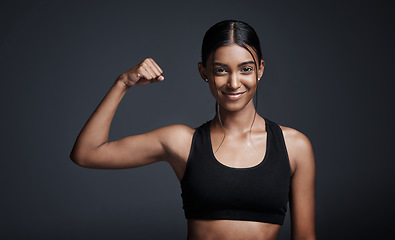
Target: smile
233 96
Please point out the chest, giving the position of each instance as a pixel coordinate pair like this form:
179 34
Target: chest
214 185
213 189
243 151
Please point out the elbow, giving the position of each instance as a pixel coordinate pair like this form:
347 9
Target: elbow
88 157
75 158
78 158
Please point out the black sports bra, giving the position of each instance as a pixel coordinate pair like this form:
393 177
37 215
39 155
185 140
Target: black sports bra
211 190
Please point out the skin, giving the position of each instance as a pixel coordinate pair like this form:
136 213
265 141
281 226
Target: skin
232 79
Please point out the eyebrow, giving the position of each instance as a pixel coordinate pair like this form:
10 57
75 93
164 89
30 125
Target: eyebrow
241 64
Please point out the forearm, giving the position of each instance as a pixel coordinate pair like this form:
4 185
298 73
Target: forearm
91 142
96 131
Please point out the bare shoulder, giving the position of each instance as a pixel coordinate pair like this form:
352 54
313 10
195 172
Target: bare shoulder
300 150
176 132
176 139
302 198
295 138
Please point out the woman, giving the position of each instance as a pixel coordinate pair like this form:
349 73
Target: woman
237 170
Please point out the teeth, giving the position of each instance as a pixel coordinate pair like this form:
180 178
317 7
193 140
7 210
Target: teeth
233 94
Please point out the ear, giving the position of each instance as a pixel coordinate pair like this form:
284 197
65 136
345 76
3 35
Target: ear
261 69
202 71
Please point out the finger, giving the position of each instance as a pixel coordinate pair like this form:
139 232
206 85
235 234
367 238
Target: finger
147 65
151 67
151 73
159 72
156 66
143 73
158 79
155 70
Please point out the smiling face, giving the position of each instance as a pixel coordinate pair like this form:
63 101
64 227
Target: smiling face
232 76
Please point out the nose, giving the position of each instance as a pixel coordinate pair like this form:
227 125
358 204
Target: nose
234 82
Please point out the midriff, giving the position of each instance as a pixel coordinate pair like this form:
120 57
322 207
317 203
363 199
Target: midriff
231 230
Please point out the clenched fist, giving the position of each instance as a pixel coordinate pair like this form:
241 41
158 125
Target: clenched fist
143 73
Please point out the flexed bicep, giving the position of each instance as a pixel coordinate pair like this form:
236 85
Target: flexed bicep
92 148
128 152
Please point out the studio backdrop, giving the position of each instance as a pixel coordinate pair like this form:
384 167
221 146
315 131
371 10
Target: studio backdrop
328 73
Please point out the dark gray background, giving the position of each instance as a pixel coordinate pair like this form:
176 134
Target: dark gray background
329 74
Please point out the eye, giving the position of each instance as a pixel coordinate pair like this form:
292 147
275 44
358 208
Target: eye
247 69
219 70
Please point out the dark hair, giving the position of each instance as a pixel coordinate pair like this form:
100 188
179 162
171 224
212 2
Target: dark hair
230 32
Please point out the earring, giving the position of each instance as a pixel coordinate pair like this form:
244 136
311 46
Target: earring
206 80
259 79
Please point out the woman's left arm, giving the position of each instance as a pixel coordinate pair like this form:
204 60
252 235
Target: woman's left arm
302 195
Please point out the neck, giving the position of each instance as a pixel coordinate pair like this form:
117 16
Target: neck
236 122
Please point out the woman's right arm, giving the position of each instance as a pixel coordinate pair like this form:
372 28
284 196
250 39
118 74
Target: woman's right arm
92 148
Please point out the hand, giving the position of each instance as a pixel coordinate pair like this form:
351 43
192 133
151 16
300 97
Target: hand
144 73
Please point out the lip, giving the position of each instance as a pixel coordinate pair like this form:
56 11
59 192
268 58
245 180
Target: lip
233 95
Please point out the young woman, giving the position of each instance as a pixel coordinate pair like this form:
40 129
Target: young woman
238 171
